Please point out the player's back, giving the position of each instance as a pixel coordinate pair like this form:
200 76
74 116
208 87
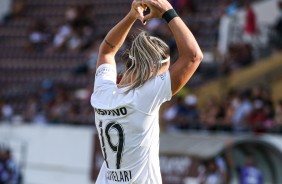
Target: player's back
127 124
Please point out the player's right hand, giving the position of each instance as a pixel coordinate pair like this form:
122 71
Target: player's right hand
157 8
137 9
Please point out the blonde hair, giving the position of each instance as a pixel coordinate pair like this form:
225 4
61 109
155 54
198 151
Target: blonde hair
146 54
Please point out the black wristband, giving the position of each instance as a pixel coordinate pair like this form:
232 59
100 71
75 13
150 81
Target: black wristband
169 15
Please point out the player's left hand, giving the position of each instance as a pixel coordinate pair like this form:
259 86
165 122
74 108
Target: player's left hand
157 8
137 9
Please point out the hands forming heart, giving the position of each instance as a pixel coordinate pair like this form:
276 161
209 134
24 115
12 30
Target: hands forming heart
137 9
157 8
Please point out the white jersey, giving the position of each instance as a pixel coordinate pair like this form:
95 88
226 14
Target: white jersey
128 127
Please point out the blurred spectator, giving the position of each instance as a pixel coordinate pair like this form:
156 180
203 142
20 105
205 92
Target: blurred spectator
65 30
261 118
75 41
39 35
250 28
76 32
229 104
210 114
278 117
170 116
231 7
258 116
183 113
227 114
9 171
47 91
59 107
79 112
7 111
275 37
58 104
61 37
190 113
211 174
222 166
242 111
245 110
33 111
170 113
249 173
268 124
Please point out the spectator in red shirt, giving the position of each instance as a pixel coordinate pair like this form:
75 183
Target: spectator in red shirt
250 27
258 115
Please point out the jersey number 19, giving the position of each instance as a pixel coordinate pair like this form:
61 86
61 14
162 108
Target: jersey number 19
118 147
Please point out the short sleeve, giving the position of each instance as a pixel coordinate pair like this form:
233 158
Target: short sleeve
162 87
106 74
154 92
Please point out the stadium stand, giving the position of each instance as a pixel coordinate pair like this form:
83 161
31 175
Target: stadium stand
27 60
24 70
237 103
49 50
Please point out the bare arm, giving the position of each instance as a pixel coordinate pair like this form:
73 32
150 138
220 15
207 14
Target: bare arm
190 54
116 36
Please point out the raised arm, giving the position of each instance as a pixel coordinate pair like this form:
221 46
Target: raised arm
190 54
116 36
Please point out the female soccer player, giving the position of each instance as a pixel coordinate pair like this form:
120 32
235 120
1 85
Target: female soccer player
127 114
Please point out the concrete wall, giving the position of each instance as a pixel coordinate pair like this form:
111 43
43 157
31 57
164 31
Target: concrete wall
63 154
51 154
